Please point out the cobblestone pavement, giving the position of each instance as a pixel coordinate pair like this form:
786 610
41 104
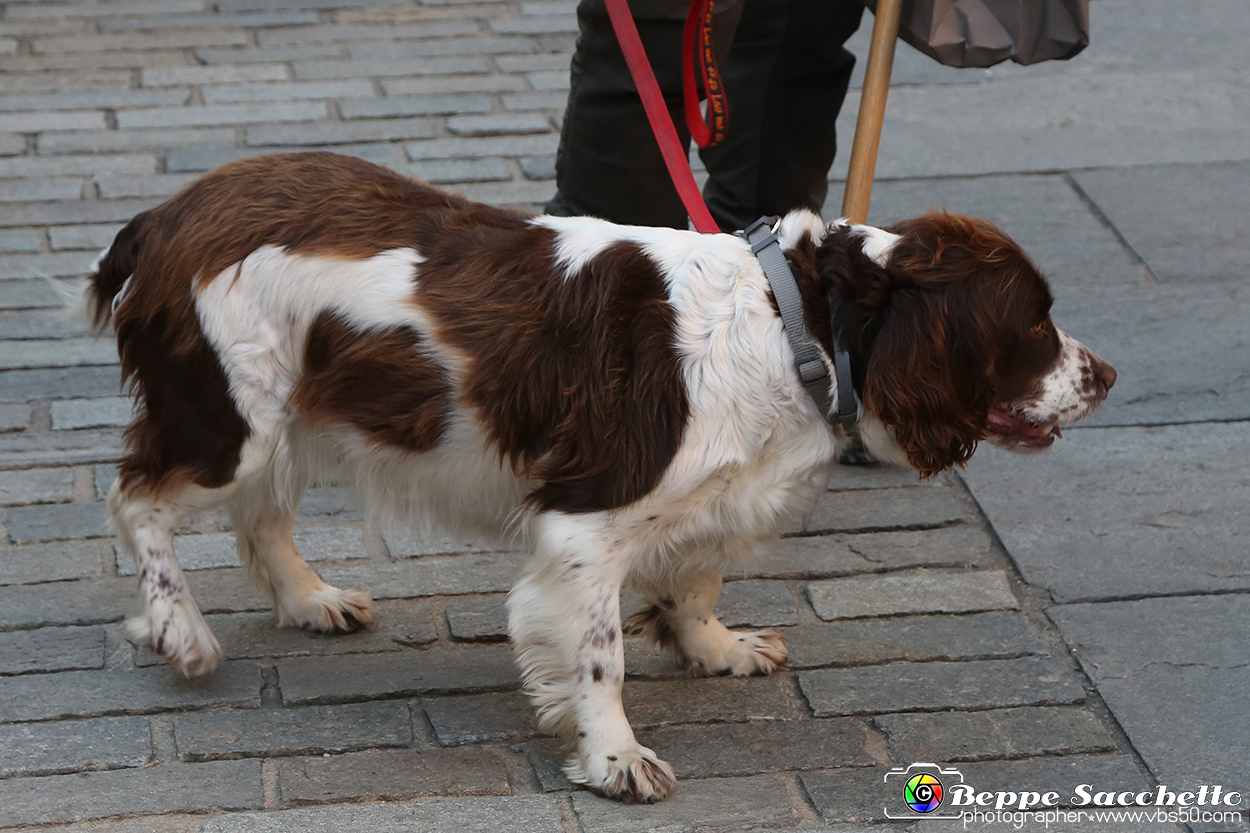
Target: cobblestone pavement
1073 618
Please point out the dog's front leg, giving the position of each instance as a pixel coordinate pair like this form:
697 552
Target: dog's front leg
565 620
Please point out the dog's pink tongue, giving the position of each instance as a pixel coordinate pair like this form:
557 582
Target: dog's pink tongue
1007 424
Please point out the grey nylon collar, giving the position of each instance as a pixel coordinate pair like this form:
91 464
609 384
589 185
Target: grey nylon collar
762 235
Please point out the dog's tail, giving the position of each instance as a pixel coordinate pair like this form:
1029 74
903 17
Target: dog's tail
105 285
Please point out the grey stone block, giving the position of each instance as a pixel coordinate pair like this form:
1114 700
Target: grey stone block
353 677
294 91
337 502
833 555
538 167
1115 512
444 84
756 604
26 294
509 193
449 575
208 21
35 121
93 99
227 785
723 750
58 383
51 649
498 124
102 477
461 170
20 240
535 25
448 46
696 806
536 101
913 638
12 144
880 509
940 685
220 74
1201 240
218 114
998 733
19 488
83 237
71 165
1148 656
491 146
333 133
13 417
330 34
393 774
477 620
19 190
59 448
1021 124
509 814
274 54
36 323
481 718
317 70
415 106
39 605
862 794
925 592
113 411
300 731
92 211
164 185
534 63
65 352
551 80
716 699
163 138
29 524
47 748
90 693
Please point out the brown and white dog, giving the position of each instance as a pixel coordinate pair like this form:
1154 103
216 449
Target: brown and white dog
621 399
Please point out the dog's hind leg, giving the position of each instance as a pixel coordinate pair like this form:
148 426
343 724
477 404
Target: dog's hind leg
266 541
682 622
171 623
564 616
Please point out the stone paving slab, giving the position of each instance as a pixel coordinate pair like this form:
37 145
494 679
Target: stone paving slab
993 734
1110 513
939 685
1144 667
924 592
511 814
87 693
715 804
229 785
300 731
100 743
393 775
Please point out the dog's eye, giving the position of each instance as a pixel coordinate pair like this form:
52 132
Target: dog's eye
1041 327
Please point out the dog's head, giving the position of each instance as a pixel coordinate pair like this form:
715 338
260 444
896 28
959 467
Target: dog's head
948 325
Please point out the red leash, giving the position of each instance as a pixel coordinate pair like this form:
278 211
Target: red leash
676 157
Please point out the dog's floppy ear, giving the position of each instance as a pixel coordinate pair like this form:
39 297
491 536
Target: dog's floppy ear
927 378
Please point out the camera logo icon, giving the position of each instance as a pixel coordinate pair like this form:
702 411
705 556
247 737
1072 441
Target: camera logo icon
922 787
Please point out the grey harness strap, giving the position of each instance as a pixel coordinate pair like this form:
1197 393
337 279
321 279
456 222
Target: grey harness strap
807 358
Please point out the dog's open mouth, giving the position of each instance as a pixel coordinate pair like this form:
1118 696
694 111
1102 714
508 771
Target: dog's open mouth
1010 428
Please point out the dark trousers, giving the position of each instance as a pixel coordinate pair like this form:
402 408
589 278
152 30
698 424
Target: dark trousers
785 73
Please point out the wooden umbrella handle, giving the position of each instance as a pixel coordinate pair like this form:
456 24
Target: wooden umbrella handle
871 111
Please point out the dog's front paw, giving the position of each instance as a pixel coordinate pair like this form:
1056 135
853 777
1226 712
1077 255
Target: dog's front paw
752 653
329 610
634 776
176 630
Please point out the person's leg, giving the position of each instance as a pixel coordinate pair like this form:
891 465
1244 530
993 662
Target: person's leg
609 164
786 77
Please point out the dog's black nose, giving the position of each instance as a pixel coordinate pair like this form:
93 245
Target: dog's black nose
1104 374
